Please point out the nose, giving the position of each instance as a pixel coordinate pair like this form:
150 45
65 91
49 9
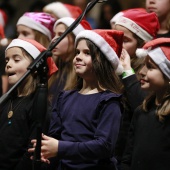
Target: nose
143 71
8 64
21 36
151 1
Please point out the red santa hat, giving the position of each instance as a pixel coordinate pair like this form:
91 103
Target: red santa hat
3 40
159 51
40 21
121 13
34 49
109 42
84 25
144 25
3 18
61 10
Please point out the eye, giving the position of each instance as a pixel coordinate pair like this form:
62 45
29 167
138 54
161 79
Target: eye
6 60
87 52
77 52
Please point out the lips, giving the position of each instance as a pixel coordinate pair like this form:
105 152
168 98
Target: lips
142 81
151 9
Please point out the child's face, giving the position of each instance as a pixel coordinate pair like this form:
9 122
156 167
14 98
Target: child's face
160 7
65 46
129 41
82 61
16 64
25 32
152 78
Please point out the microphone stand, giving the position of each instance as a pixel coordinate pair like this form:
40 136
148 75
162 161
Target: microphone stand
39 65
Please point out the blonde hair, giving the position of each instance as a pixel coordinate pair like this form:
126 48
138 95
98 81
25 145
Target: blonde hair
163 109
29 85
42 38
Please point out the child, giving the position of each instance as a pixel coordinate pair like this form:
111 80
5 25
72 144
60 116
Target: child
162 10
139 27
86 120
119 14
63 55
37 26
149 142
17 124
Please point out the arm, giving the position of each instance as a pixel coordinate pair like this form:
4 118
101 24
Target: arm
135 95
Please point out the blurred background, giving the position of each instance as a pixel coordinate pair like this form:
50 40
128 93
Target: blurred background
15 8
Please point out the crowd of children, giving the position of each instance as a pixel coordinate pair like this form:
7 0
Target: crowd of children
108 90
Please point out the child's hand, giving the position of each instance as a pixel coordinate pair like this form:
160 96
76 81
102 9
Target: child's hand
125 60
49 147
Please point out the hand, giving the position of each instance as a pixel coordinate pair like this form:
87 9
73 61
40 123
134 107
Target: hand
125 60
49 148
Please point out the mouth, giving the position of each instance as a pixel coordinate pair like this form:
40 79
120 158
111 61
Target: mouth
151 9
10 74
142 81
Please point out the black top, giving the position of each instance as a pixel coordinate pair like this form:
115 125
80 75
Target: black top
16 133
148 146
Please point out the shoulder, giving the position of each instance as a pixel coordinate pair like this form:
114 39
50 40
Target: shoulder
108 95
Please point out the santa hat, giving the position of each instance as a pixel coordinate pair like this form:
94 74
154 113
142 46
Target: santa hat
34 49
159 51
84 25
40 21
121 13
3 40
108 41
61 10
3 18
144 25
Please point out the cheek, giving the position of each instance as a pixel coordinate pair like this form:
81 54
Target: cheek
130 48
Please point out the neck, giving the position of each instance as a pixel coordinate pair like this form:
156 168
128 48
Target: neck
163 26
90 88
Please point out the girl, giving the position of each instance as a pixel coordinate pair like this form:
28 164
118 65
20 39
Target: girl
86 119
149 142
17 124
162 9
63 55
37 26
139 27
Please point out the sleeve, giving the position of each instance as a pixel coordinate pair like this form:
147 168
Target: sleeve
56 122
127 156
103 143
135 95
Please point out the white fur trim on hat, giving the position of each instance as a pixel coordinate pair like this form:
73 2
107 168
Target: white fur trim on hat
158 56
115 17
102 45
24 20
31 49
58 9
68 21
132 26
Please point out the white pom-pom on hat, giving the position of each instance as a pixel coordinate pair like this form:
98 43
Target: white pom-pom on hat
140 52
